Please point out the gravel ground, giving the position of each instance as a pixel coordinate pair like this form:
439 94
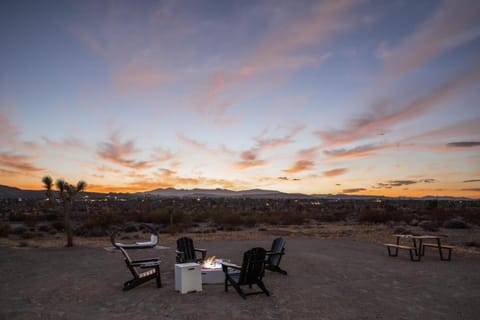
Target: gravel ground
327 279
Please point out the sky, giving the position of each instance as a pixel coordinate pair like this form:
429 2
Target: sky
317 97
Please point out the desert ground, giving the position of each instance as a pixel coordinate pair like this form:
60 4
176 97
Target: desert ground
334 272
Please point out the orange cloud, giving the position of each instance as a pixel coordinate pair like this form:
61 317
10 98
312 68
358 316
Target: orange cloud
9 162
360 151
301 165
354 190
118 152
334 172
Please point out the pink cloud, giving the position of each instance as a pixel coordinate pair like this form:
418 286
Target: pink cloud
301 165
334 172
379 119
8 131
360 151
66 143
10 161
452 24
277 51
119 153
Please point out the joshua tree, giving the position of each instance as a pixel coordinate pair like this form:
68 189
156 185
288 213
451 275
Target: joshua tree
67 194
48 184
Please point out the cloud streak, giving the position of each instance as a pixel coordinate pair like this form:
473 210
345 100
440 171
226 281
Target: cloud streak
120 153
379 119
18 163
277 51
464 144
453 24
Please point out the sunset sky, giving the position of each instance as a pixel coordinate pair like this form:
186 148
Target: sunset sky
357 97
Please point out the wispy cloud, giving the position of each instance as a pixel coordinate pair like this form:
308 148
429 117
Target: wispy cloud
249 160
120 153
399 183
18 163
277 51
197 145
379 119
8 131
464 144
470 181
264 144
453 24
67 143
353 190
335 172
301 165
360 151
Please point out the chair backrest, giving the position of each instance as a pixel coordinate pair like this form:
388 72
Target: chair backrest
185 245
278 246
128 261
253 266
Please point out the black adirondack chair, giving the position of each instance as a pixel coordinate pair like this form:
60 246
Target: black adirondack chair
186 251
152 267
274 256
251 272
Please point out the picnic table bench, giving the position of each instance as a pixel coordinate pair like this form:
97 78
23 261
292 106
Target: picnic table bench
417 249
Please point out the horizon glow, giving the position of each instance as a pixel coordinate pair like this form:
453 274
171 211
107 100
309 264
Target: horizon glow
314 97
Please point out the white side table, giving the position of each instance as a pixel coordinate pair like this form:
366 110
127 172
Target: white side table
188 277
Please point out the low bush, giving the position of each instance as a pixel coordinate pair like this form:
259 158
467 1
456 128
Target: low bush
455 224
104 220
5 230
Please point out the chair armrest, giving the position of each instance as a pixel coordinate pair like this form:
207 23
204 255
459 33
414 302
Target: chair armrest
231 265
203 252
150 264
271 253
143 261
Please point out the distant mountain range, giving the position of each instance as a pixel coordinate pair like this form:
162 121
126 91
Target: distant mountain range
7 192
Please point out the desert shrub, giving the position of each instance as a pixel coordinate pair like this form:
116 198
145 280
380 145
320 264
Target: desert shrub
472 217
475 244
227 219
95 231
16 216
58 225
104 220
293 219
455 223
130 228
376 216
428 226
162 216
329 217
5 230
20 230
52 216
44 228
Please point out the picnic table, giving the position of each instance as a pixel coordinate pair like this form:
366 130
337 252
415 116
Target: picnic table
416 244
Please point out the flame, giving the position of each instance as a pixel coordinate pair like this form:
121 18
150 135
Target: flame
209 260
212 263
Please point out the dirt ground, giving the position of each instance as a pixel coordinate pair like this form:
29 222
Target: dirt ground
340 277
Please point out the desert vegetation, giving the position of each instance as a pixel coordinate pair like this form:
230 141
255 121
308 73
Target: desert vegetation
27 219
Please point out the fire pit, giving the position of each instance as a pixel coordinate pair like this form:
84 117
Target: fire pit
212 270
